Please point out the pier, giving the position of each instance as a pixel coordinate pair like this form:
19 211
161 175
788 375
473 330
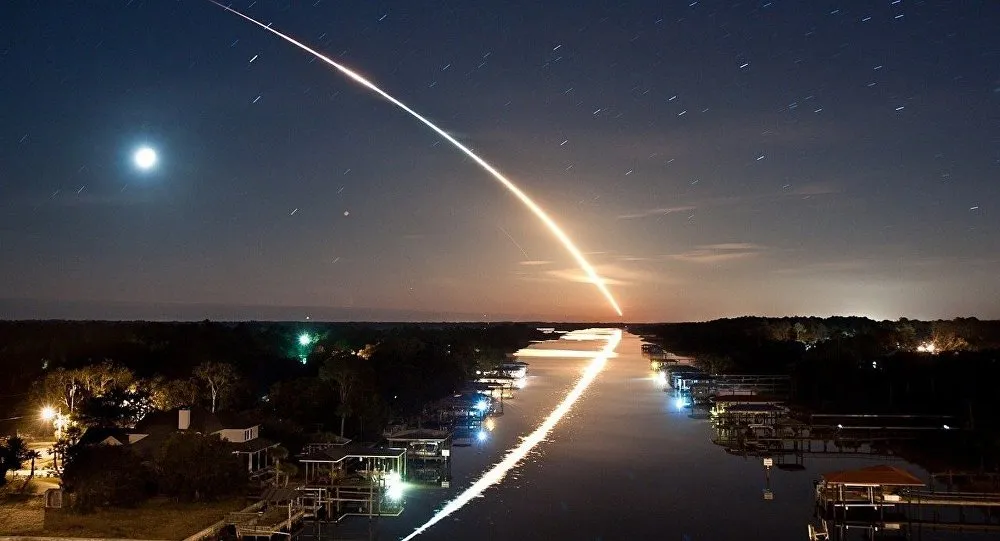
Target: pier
880 498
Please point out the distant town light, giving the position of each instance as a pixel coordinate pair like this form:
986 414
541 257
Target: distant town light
927 347
946 427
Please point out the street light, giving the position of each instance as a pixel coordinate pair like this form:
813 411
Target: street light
48 413
305 339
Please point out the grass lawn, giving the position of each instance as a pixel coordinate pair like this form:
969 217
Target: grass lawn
21 514
155 519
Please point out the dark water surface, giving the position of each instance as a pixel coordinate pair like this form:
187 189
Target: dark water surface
623 464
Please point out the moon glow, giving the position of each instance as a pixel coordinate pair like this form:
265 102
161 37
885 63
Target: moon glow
144 158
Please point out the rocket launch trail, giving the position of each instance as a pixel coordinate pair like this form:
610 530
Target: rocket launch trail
540 213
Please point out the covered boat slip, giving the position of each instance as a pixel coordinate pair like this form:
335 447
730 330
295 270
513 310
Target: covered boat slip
874 486
428 453
324 466
887 497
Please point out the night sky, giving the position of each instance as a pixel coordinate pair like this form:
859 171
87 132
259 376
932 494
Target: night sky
712 159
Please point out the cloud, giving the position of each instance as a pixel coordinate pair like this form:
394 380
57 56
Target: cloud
802 191
72 198
726 246
656 212
614 275
718 253
815 188
578 276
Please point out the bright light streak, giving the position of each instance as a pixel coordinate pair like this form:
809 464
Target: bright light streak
528 202
515 455
565 353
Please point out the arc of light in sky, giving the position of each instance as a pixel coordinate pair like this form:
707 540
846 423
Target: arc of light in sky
528 202
515 455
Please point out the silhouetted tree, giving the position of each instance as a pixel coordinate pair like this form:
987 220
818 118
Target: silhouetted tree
192 466
13 452
217 378
103 475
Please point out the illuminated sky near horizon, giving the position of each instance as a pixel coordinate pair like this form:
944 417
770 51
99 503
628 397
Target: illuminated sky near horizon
713 158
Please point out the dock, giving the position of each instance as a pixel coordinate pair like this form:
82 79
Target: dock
887 497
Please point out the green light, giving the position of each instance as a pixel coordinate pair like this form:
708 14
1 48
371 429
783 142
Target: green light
305 339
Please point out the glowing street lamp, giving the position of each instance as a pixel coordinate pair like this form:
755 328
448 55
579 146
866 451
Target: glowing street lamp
305 339
48 413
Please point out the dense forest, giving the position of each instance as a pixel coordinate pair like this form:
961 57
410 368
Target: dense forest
298 378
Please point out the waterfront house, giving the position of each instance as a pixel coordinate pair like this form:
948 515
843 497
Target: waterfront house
242 434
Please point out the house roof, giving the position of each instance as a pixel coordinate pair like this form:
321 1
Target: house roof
873 475
747 399
337 454
418 434
95 435
230 419
252 446
202 421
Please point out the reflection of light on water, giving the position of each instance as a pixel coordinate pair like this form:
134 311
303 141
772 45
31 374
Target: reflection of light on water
515 455
564 353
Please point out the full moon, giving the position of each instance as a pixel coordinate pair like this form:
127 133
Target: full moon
144 158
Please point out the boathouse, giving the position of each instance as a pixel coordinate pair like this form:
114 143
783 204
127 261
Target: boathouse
873 487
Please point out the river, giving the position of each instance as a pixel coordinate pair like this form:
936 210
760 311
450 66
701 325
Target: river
624 463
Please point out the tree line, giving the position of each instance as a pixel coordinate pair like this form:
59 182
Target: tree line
858 365
344 379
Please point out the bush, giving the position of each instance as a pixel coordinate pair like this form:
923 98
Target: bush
193 467
105 475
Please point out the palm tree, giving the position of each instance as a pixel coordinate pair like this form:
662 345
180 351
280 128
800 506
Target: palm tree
342 370
11 456
32 455
278 453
